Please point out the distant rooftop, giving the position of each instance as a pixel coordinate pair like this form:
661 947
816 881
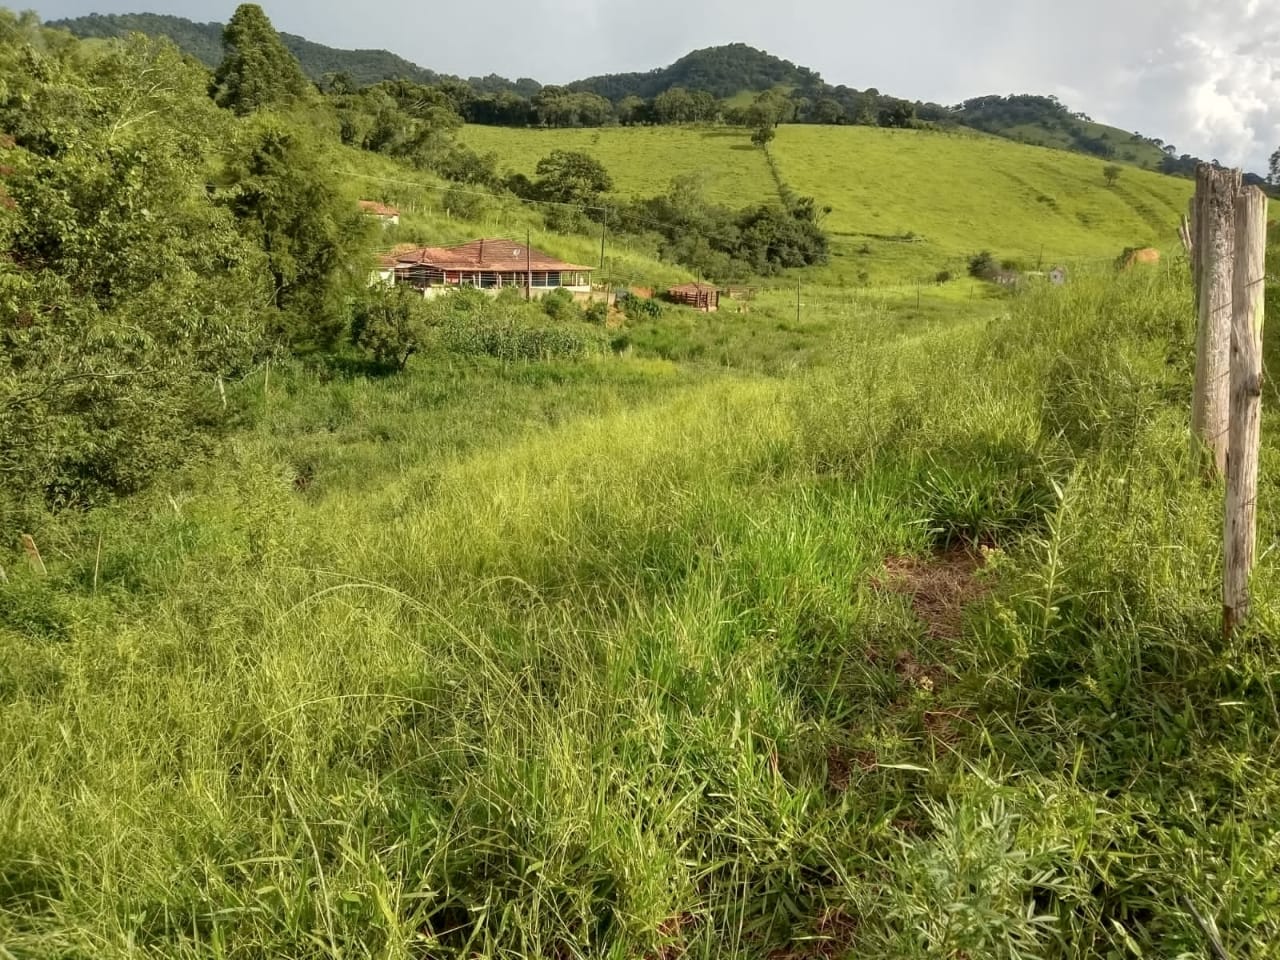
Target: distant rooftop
491 255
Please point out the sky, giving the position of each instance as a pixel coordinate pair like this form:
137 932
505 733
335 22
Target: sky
1202 75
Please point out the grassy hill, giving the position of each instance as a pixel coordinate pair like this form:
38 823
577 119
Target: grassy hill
1130 148
734 73
643 160
433 211
912 202
906 204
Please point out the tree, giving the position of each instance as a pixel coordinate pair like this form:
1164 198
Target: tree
897 113
125 292
632 110
983 265
286 197
770 109
1112 173
391 323
763 136
828 111
560 107
674 106
569 176
257 69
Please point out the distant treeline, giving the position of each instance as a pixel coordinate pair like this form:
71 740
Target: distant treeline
717 84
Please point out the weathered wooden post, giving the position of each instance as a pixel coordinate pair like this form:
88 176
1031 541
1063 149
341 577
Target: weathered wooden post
33 555
1240 522
1214 246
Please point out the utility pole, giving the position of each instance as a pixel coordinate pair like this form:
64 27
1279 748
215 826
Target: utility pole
797 301
528 264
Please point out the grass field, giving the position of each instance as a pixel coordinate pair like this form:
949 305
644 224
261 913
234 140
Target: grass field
920 202
907 204
436 212
643 160
866 622
912 652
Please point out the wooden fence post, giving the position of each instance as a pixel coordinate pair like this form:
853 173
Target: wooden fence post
1216 192
1240 522
33 555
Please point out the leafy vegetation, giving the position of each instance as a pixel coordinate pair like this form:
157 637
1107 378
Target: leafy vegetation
720 71
726 244
257 69
666 591
204 42
838 623
128 291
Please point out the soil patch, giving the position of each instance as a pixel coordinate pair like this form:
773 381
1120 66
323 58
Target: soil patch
940 588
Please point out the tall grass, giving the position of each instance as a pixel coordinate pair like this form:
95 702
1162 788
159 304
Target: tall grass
606 666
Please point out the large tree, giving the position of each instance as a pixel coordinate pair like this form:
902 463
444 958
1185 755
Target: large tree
257 69
288 201
569 176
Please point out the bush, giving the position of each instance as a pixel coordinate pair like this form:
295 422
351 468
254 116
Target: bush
726 244
944 276
464 203
391 324
559 305
639 309
512 339
982 265
597 313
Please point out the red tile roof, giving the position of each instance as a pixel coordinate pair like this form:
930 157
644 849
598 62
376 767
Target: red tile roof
378 209
488 256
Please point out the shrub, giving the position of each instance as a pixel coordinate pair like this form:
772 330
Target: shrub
982 265
944 276
639 309
597 313
510 338
391 324
467 204
560 306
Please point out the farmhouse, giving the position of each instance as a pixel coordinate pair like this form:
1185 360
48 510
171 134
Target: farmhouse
701 296
489 264
389 216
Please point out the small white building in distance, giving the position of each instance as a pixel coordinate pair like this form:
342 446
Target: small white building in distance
389 216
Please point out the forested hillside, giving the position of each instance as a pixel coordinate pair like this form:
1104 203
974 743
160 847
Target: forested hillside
722 72
734 83
204 42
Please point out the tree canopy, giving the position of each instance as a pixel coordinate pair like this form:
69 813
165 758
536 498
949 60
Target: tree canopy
257 69
569 176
